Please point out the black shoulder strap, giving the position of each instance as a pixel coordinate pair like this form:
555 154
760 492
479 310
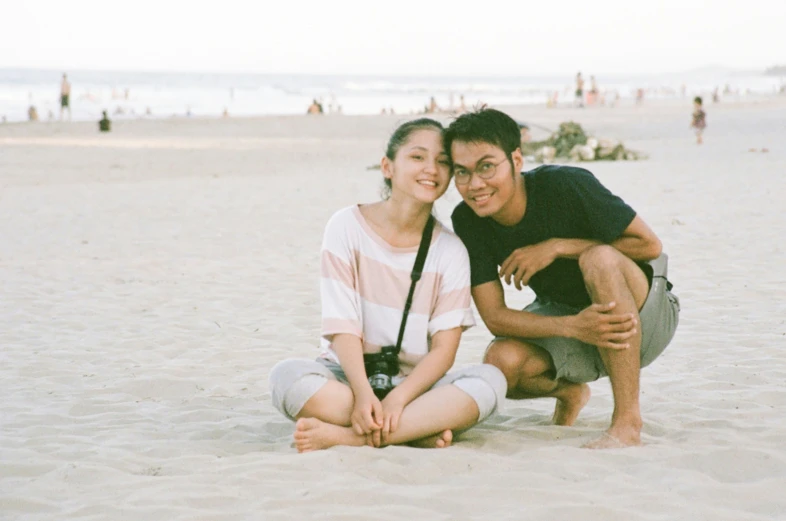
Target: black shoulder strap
417 271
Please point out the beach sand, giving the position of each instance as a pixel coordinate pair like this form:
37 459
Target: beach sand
151 277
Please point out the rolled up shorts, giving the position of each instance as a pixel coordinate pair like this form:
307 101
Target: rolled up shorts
293 382
576 361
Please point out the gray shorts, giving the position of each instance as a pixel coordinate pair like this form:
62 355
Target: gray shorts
579 362
293 382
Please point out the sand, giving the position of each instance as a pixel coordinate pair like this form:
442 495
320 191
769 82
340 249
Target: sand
151 277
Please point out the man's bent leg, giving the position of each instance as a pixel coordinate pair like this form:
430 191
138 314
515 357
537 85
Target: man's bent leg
612 277
529 371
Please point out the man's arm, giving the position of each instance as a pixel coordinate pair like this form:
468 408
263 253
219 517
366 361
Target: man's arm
638 242
594 325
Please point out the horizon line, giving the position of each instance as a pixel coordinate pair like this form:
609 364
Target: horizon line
693 70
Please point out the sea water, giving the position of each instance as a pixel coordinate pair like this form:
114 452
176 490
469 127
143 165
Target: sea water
161 94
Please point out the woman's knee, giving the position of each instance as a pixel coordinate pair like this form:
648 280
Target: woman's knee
293 382
486 385
496 380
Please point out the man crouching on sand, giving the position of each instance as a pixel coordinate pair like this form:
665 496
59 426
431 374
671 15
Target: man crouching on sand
603 305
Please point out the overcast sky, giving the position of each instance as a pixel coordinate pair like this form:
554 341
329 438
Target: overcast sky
488 37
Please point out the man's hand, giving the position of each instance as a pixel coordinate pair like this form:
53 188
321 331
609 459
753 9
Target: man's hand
367 416
596 325
525 262
392 407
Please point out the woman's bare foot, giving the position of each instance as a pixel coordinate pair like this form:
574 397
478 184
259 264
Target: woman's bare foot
313 434
438 441
571 401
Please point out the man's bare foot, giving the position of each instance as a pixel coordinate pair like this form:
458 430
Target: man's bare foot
616 439
313 434
439 441
572 400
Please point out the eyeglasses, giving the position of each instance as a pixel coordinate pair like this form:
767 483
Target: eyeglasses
485 170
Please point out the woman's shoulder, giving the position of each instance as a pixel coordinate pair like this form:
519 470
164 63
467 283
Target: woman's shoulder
342 228
344 214
343 219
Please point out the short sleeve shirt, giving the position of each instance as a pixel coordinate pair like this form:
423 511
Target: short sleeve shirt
365 281
562 202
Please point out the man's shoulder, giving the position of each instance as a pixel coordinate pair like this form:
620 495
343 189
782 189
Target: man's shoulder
558 173
463 215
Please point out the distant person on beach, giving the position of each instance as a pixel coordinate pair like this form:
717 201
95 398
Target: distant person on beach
383 376
65 97
32 113
432 107
603 305
699 119
462 108
579 90
314 108
593 93
104 124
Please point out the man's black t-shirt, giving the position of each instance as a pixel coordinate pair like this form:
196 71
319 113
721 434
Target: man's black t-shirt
562 202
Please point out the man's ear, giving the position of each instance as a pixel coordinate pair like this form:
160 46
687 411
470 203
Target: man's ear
386 167
518 160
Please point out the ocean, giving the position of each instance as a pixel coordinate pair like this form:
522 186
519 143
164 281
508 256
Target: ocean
163 95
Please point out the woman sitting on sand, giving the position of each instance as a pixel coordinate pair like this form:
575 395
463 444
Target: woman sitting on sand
368 254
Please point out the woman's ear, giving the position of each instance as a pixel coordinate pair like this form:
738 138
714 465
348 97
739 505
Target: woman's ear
387 167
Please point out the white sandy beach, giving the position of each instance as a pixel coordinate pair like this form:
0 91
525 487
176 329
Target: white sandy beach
151 277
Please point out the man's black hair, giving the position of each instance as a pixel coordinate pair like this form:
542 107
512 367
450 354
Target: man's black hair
484 126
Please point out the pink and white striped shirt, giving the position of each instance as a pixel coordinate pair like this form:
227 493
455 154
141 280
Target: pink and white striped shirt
365 282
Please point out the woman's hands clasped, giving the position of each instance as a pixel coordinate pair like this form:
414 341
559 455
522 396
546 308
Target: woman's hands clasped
392 407
367 417
375 419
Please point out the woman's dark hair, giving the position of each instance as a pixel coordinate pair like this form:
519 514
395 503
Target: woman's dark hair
400 136
697 99
484 126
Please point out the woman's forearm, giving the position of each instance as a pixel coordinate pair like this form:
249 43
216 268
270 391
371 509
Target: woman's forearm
430 369
349 349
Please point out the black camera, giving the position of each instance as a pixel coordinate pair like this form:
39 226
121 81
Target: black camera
380 369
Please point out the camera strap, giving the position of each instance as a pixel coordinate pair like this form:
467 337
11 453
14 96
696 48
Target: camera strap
417 271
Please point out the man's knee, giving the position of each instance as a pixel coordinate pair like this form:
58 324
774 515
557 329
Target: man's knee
516 359
599 259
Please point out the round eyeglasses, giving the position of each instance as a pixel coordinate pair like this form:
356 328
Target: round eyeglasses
484 170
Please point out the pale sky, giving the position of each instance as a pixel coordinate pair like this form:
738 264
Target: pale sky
488 37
